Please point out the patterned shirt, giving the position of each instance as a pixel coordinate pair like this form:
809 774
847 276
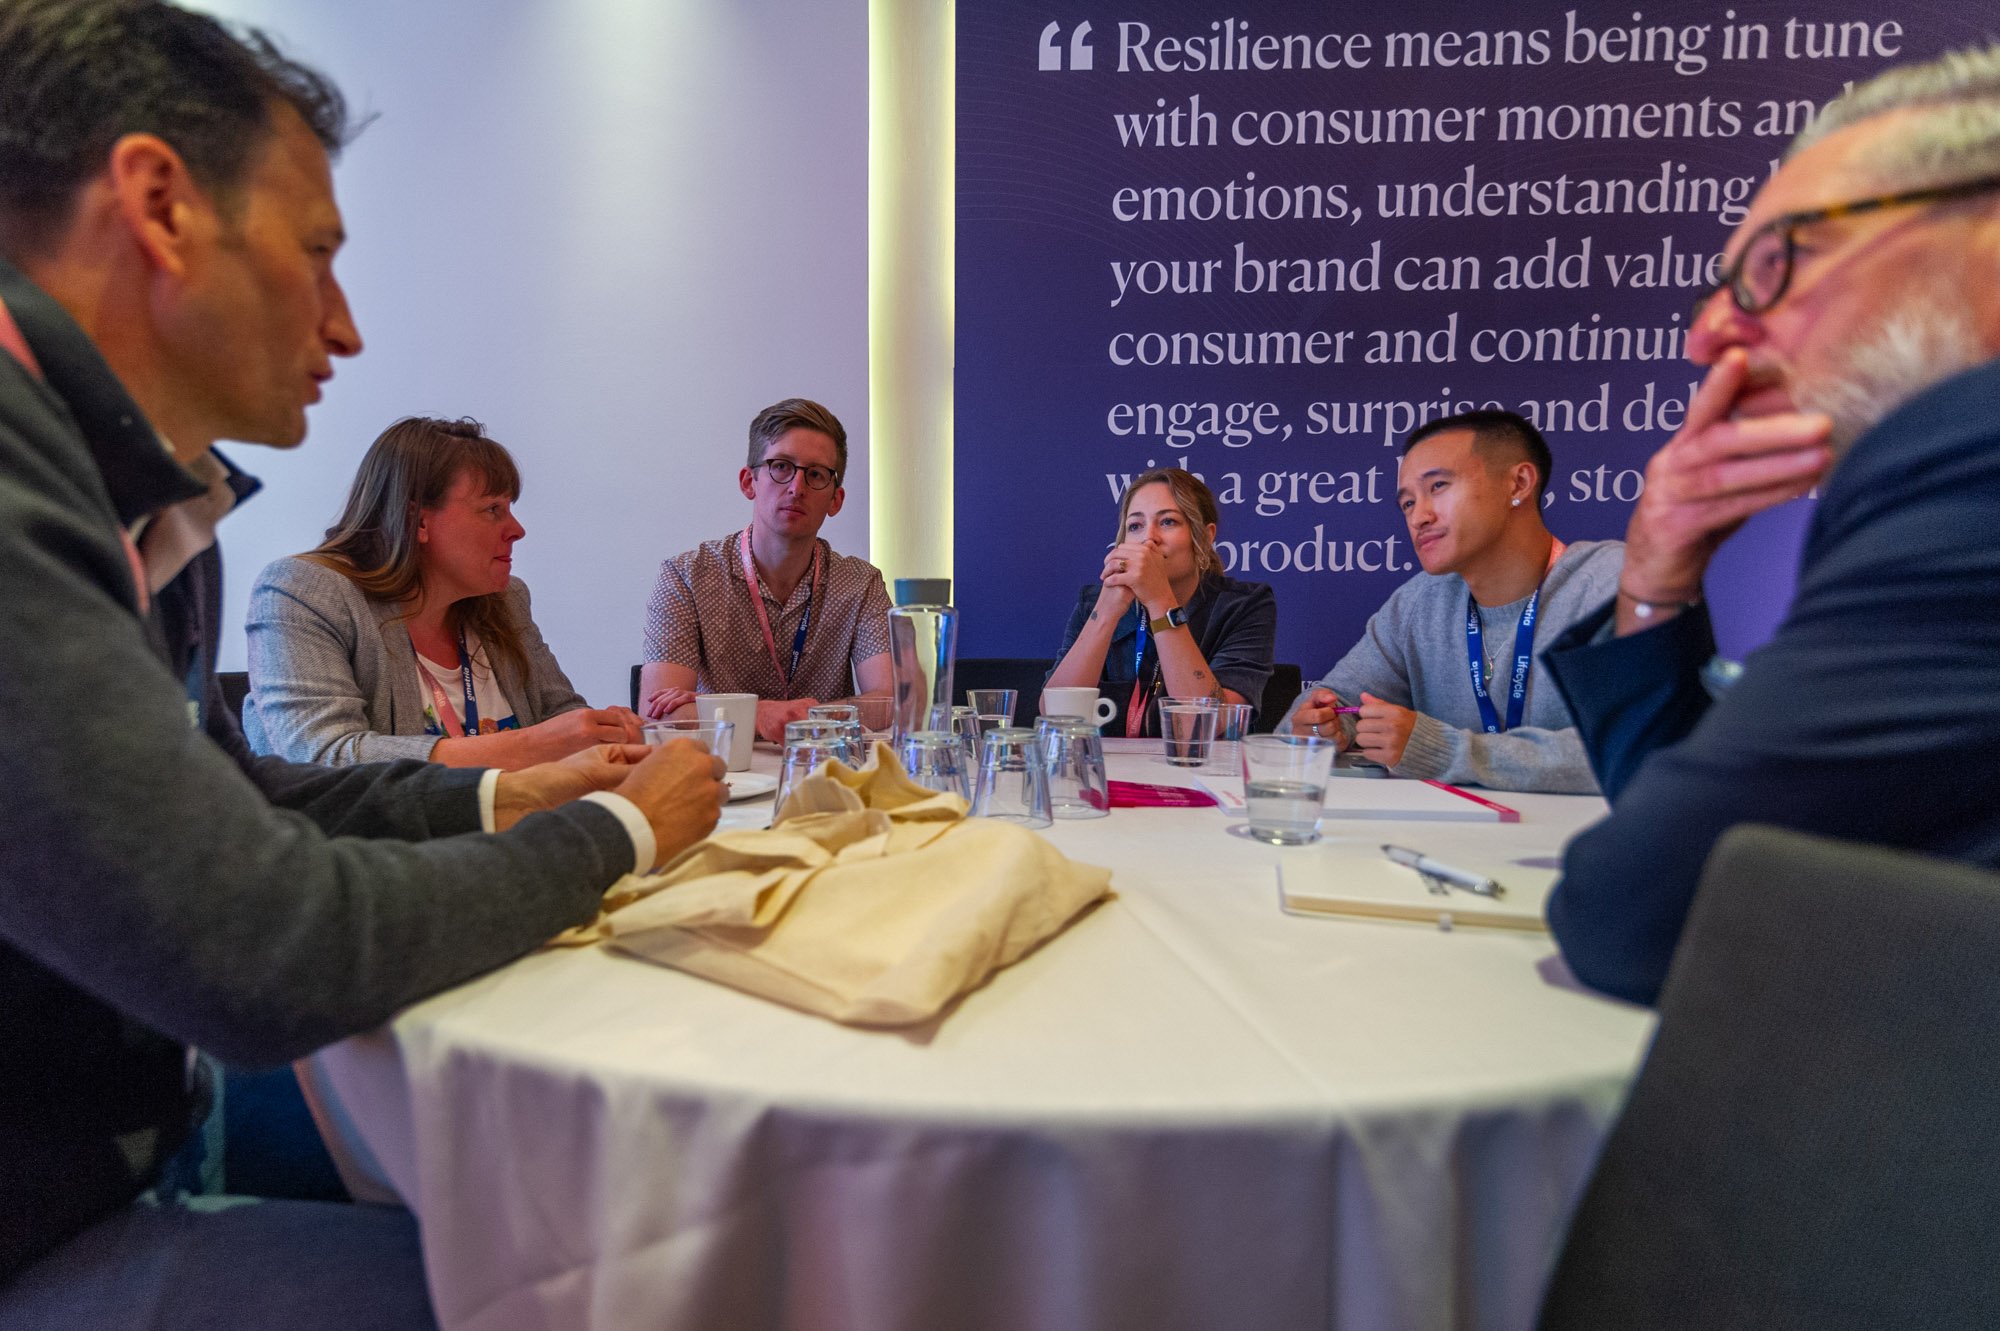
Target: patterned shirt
700 616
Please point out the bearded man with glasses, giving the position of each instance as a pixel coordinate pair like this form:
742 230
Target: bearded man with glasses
1851 346
771 609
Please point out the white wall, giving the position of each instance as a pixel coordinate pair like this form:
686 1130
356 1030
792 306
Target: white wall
611 231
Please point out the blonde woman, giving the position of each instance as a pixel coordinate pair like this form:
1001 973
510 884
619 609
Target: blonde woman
1162 619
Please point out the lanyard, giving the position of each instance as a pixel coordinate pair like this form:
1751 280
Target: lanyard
1524 656
785 677
447 718
1135 710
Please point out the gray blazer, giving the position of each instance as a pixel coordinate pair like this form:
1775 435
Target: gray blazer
333 677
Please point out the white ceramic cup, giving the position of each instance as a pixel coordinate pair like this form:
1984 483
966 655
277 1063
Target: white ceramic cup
1084 702
740 710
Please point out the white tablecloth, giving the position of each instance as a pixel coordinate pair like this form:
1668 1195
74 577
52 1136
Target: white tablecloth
1190 1110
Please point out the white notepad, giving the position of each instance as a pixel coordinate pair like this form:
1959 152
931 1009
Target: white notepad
1378 889
1400 797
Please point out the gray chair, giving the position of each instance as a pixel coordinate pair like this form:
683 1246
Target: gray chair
1814 1139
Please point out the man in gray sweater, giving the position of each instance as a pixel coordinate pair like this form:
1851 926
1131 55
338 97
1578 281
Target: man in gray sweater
167 231
1444 683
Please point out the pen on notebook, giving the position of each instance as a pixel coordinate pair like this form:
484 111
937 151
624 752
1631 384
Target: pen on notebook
1464 880
1347 711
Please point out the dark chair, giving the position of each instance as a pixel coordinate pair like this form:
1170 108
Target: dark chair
1022 673
1285 684
635 686
1811 1140
235 688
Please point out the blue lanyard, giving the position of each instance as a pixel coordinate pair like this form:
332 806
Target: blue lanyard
465 677
1524 657
799 639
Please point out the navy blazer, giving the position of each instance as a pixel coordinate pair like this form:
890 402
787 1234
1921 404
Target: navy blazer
1869 716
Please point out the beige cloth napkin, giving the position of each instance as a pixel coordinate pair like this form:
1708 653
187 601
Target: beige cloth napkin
873 901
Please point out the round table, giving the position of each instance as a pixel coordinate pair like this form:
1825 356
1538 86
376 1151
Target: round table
1188 1110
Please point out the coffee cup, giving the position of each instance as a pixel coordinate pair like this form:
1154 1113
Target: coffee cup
1084 702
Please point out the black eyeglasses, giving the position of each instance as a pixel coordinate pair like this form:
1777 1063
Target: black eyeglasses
781 470
1763 269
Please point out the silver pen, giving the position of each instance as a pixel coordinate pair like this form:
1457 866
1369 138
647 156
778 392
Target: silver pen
1441 876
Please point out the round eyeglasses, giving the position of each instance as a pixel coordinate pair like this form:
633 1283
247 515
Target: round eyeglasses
781 470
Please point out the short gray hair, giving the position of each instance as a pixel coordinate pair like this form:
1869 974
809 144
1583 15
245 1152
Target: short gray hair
1957 139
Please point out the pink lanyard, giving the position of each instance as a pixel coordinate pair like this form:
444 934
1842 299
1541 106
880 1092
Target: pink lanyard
764 620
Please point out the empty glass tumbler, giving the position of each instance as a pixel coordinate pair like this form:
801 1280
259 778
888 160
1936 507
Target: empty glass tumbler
937 760
1074 751
1013 778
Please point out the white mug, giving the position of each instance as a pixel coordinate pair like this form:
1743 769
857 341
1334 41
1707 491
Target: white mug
1084 702
740 710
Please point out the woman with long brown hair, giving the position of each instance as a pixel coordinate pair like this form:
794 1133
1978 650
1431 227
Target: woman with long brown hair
404 634
1162 620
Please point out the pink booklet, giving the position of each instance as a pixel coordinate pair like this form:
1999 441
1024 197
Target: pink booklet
1140 795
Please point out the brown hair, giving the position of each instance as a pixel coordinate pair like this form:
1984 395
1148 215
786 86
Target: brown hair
374 544
797 413
1195 502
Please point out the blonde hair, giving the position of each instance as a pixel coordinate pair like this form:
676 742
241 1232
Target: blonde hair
1195 502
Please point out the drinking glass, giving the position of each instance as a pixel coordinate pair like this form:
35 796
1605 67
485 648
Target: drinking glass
1075 753
1232 724
1188 727
807 745
848 717
936 760
993 707
716 735
1013 780
963 722
877 714
1284 784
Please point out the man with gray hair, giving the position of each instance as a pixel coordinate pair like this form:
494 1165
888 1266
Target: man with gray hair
1851 346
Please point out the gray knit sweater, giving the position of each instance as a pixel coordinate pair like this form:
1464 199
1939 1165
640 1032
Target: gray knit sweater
1413 654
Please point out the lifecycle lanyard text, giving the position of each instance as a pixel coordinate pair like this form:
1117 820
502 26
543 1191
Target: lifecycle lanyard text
1524 657
447 718
785 677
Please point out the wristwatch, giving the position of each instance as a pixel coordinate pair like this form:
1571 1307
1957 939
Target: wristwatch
1173 619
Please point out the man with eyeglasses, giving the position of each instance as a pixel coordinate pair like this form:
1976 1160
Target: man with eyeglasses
771 609
1851 346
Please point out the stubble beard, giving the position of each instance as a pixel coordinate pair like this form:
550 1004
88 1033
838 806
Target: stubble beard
1916 346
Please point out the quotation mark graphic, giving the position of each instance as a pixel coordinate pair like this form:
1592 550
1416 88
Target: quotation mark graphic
1080 54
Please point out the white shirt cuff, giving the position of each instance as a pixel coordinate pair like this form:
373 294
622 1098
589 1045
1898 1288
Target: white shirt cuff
644 847
489 785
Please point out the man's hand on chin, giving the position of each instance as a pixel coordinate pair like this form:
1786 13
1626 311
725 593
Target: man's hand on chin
545 785
1743 449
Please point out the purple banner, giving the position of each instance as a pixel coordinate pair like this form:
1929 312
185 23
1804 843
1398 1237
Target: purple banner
1265 247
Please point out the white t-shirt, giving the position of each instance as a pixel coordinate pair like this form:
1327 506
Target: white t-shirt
495 712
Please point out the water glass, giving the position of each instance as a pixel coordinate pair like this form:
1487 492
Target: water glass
1284 784
848 717
1013 779
717 736
937 760
876 712
1075 753
1232 725
963 722
993 707
1188 727
807 745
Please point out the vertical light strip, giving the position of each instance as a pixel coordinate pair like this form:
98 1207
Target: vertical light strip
911 64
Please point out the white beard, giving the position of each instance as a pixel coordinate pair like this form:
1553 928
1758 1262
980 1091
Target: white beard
1913 348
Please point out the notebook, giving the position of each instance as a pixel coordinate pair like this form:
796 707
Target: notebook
1367 888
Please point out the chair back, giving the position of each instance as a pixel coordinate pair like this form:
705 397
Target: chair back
235 688
1814 1139
1022 673
1285 685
